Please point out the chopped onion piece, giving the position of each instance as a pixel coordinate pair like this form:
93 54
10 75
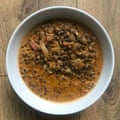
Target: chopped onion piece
43 48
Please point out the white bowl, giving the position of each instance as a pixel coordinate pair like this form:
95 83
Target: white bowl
18 84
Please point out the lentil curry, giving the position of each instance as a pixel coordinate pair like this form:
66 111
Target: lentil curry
60 60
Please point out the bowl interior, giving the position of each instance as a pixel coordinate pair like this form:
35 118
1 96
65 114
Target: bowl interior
12 60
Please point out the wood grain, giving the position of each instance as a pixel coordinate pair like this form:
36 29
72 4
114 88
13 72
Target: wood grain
12 12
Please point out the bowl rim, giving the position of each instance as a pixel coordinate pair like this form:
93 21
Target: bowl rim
76 10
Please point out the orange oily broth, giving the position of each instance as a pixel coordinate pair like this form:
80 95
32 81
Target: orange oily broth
51 86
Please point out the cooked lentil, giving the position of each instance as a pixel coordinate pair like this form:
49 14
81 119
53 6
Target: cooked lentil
60 60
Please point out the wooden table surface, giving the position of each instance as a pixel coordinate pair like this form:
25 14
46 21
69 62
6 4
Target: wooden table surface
12 12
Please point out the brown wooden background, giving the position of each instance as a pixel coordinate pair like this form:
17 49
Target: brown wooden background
12 12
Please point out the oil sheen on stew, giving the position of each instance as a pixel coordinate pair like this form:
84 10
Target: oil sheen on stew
60 60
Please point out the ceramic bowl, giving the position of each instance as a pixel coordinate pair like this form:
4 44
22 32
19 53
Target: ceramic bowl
20 87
